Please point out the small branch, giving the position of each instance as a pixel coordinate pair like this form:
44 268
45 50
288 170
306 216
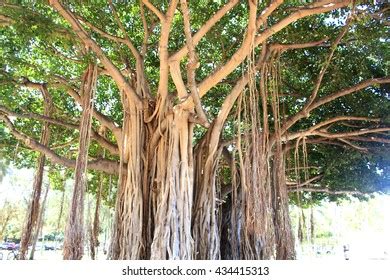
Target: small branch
146 30
314 141
156 11
57 52
286 47
352 133
370 139
313 129
63 145
307 182
320 77
324 190
356 147
127 39
350 90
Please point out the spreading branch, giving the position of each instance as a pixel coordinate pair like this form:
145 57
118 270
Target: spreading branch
101 140
325 190
60 82
103 165
111 68
316 128
247 46
307 182
329 98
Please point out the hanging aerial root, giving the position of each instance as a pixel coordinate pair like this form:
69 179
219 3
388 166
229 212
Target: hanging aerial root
74 232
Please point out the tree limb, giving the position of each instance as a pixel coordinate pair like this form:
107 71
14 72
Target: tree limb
101 140
204 29
326 99
246 46
192 65
311 130
307 182
156 11
59 82
111 68
102 165
325 190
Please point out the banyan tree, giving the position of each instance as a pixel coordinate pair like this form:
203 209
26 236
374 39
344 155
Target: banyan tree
210 116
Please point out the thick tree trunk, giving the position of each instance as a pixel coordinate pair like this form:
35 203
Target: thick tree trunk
74 232
257 236
128 241
33 209
172 201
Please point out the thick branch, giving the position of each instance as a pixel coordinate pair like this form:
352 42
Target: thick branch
192 65
247 46
111 68
156 11
61 82
204 29
101 140
312 130
326 99
102 165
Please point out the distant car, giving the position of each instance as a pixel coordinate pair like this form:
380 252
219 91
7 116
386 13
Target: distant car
10 246
49 248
